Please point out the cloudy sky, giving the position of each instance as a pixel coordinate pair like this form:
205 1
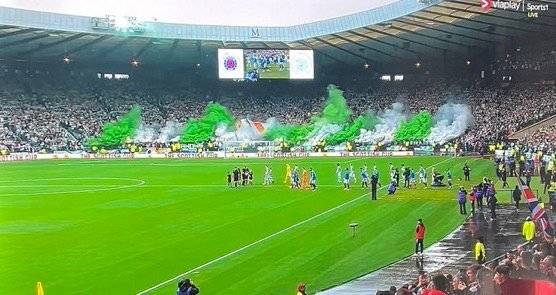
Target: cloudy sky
217 12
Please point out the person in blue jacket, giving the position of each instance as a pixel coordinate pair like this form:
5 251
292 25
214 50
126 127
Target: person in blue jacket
347 178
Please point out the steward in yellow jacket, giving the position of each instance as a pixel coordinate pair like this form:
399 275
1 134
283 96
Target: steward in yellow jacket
528 229
480 252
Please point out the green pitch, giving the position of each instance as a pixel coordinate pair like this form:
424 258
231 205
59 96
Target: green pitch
123 226
273 72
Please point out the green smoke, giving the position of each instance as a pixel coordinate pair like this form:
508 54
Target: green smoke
416 129
202 129
336 110
292 134
114 134
370 119
351 131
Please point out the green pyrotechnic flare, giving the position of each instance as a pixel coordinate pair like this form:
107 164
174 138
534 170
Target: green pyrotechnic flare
416 129
114 134
336 110
351 131
202 129
292 134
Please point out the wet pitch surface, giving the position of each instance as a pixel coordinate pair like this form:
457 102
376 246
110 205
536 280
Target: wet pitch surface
448 255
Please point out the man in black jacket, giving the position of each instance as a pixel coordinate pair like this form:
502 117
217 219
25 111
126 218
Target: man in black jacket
466 172
516 196
374 185
406 174
492 201
504 177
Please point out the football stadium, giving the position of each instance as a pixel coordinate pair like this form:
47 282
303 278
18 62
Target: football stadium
402 147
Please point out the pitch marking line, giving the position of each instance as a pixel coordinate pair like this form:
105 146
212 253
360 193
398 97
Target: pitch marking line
263 239
107 187
341 160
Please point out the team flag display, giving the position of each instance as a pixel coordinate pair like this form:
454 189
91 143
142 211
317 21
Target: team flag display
537 211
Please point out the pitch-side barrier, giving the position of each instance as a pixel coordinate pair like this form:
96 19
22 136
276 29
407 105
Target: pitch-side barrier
194 155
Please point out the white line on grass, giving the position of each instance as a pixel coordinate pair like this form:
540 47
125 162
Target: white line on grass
183 164
202 162
263 239
107 187
249 245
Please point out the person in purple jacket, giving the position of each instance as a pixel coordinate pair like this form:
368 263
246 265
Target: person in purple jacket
462 199
490 191
479 195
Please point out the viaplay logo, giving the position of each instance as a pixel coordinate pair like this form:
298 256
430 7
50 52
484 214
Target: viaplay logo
533 10
515 5
486 5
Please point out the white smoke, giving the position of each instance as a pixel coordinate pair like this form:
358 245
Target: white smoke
246 131
388 122
169 131
321 132
222 133
145 133
451 121
154 133
271 123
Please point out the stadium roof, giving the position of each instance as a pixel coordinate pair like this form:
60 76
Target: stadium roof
455 26
267 13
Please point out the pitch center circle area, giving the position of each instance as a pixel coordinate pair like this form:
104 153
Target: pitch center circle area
65 185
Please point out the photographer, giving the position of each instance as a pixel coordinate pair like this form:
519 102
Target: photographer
185 287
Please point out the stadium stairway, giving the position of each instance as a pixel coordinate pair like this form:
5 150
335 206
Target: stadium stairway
529 130
448 255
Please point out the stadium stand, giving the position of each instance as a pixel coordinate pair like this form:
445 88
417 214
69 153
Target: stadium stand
56 120
499 63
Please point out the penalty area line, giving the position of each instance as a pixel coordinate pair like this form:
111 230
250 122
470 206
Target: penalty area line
264 239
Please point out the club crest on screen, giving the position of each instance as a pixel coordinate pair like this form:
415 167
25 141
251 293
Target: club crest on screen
301 65
230 63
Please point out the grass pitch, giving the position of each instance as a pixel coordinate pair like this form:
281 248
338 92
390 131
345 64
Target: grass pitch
272 72
123 226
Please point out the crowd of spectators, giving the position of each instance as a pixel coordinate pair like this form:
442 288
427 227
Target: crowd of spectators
529 61
544 138
535 60
59 119
523 271
499 112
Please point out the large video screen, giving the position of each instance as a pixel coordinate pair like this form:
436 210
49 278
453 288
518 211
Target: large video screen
266 64
254 64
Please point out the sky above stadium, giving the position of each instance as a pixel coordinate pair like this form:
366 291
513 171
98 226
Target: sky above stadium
209 12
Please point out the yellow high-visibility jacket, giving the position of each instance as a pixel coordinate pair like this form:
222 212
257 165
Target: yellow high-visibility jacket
480 249
528 230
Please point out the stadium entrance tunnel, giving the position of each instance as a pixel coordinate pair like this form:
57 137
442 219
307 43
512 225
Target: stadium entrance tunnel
65 185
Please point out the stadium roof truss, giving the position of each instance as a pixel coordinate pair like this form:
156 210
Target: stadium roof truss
454 26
